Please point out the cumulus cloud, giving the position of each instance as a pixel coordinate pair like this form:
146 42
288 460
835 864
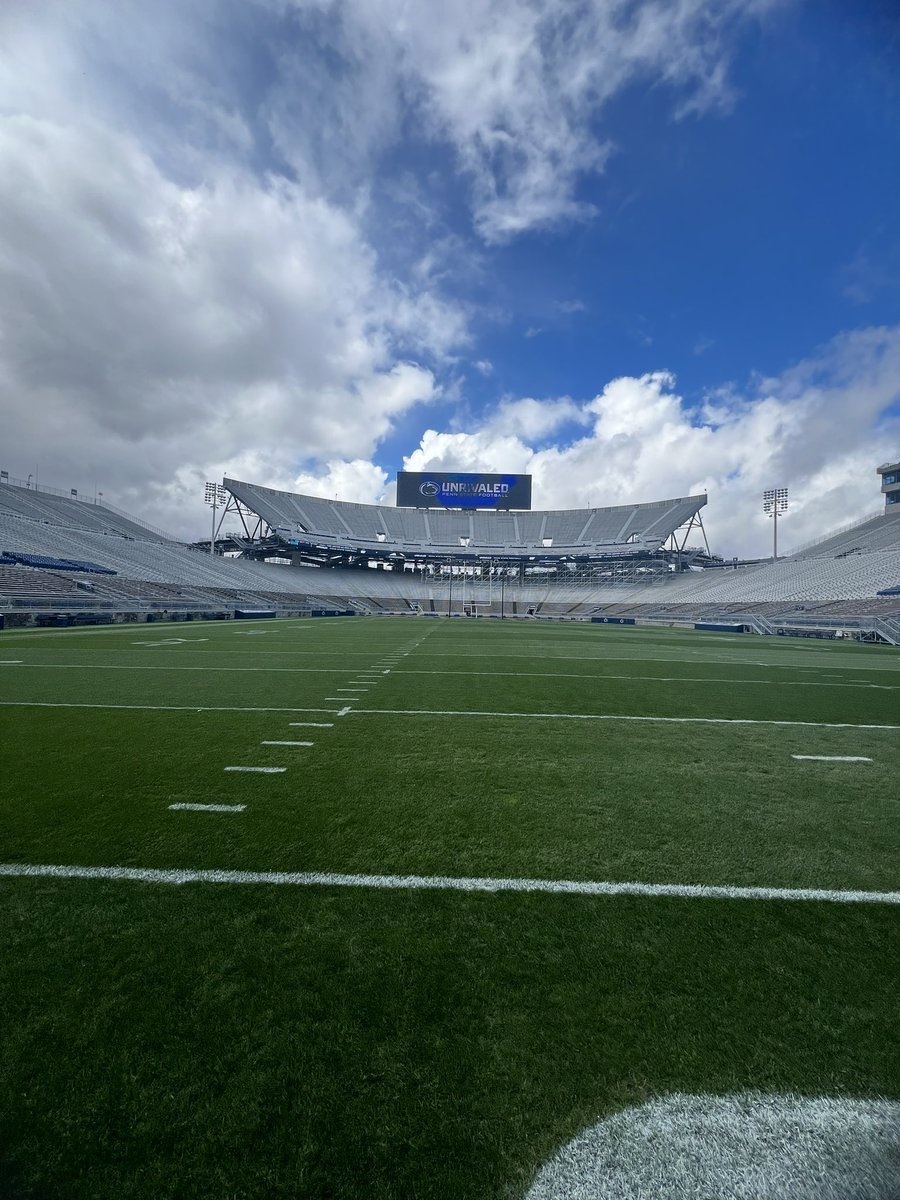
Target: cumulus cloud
358 481
535 419
819 429
163 322
154 324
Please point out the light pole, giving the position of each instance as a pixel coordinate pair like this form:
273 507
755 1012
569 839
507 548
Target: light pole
775 502
215 495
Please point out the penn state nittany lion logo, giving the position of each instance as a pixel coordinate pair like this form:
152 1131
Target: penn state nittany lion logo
429 488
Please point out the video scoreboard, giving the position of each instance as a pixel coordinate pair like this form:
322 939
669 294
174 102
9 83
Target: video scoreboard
436 489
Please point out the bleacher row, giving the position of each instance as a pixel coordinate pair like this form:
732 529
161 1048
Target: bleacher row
624 528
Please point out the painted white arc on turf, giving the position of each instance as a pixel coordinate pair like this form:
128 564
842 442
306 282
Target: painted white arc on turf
570 887
207 807
749 1145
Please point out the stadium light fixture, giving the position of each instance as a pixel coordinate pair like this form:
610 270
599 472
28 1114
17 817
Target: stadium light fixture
215 495
775 502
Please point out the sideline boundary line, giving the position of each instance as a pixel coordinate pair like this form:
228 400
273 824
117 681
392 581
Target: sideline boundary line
686 891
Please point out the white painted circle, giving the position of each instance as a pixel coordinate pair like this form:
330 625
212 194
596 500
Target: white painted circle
749 1146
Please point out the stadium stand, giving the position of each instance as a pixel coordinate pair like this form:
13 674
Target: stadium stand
112 562
620 530
50 505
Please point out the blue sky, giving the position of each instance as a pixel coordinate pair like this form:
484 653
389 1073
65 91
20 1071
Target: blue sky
638 249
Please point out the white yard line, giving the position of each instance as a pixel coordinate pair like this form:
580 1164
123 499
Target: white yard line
270 743
161 707
698 659
11 662
705 679
550 716
572 887
312 724
258 770
587 678
829 758
207 807
341 698
157 667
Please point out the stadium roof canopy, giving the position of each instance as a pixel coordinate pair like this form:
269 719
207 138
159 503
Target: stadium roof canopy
333 530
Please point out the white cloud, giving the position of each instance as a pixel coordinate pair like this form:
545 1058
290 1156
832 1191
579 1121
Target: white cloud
159 329
480 450
517 88
819 429
173 307
359 482
535 419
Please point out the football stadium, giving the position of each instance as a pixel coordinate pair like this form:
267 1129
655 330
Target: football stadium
451 848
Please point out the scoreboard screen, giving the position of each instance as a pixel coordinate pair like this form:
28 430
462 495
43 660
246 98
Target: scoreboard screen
437 489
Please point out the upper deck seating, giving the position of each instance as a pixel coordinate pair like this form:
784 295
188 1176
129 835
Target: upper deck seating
518 534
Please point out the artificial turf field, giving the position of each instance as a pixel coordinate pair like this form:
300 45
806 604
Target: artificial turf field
371 1037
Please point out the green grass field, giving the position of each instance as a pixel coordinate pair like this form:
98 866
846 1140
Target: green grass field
254 1039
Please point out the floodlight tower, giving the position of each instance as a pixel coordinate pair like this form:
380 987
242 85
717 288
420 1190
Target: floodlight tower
775 502
215 495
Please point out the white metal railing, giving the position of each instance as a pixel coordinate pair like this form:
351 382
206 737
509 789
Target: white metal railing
826 537
30 486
